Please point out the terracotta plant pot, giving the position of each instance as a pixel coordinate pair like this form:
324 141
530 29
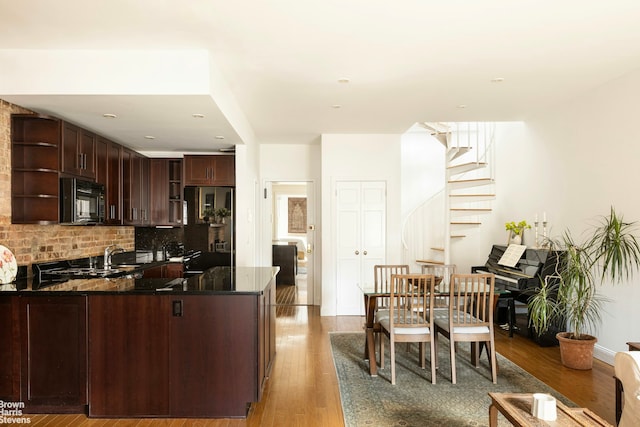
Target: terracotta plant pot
576 354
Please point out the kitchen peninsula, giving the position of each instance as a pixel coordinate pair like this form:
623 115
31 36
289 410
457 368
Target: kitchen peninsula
140 347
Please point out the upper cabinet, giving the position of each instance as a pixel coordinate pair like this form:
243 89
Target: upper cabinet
135 188
210 170
109 174
35 187
77 156
165 202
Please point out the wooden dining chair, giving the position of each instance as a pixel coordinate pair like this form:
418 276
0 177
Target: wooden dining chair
382 283
410 318
444 272
470 316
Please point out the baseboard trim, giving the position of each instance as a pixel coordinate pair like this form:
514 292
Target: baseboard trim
604 354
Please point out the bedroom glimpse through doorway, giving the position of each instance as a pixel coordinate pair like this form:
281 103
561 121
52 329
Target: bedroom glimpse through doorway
291 207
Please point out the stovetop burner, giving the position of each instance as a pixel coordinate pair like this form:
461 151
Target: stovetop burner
49 273
81 271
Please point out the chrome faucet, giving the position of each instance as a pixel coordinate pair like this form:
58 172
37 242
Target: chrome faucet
108 251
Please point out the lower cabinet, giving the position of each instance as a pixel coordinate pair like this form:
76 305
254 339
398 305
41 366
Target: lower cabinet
137 355
128 355
177 355
172 270
9 350
53 336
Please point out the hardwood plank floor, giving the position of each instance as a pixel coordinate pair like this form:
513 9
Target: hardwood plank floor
303 388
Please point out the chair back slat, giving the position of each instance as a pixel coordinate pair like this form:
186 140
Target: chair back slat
382 279
473 296
411 299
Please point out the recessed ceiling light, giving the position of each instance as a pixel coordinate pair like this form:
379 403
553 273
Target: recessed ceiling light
109 116
149 137
343 80
497 80
336 106
219 137
461 106
198 116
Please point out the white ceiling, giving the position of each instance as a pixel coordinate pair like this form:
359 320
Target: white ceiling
407 61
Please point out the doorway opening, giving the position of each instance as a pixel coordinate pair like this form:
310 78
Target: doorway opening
292 241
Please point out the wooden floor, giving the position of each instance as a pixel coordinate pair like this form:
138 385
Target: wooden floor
303 389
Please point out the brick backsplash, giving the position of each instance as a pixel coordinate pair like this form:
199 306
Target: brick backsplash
39 243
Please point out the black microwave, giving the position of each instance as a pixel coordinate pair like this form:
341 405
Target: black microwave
81 202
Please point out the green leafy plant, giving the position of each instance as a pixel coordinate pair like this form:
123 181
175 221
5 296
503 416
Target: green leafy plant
208 213
222 212
610 251
516 228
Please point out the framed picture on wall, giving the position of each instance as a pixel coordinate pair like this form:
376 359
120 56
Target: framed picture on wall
297 215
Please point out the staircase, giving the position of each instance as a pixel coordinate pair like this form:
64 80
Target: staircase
466 198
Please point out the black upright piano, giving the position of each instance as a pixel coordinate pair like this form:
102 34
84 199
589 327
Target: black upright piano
522 280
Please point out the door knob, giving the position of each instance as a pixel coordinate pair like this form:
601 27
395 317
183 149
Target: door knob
364 253
357 252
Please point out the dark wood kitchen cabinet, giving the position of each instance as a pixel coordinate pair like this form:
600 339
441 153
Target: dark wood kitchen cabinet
128 357
179 355
172 270
53 336
35 164
214 343
165 199
9 350
135 188
77 154
109 174
210 170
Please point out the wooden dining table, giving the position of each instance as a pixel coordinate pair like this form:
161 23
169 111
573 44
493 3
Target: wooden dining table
372 294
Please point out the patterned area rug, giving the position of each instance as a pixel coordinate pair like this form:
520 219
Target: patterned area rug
414 401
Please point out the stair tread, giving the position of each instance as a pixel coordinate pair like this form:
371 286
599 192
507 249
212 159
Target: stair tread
472 195
454 181
426 261
467 164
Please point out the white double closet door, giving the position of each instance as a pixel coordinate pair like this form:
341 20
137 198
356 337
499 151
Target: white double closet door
361 230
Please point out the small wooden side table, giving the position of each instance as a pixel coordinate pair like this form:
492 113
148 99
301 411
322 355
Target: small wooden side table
516 407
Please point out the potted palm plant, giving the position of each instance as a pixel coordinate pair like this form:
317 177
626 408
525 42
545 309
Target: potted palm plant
610 251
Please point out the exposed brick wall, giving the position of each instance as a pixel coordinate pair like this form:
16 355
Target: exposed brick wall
38 243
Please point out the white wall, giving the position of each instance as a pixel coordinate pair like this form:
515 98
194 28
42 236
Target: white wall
358 158
573 161
247 199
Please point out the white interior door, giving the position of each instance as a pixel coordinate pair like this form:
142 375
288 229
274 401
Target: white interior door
360 240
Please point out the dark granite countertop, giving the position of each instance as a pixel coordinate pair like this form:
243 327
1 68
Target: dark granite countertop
217 280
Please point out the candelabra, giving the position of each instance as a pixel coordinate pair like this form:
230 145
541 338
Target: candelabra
543 243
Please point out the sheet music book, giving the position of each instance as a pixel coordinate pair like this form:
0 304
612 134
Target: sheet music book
512 255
